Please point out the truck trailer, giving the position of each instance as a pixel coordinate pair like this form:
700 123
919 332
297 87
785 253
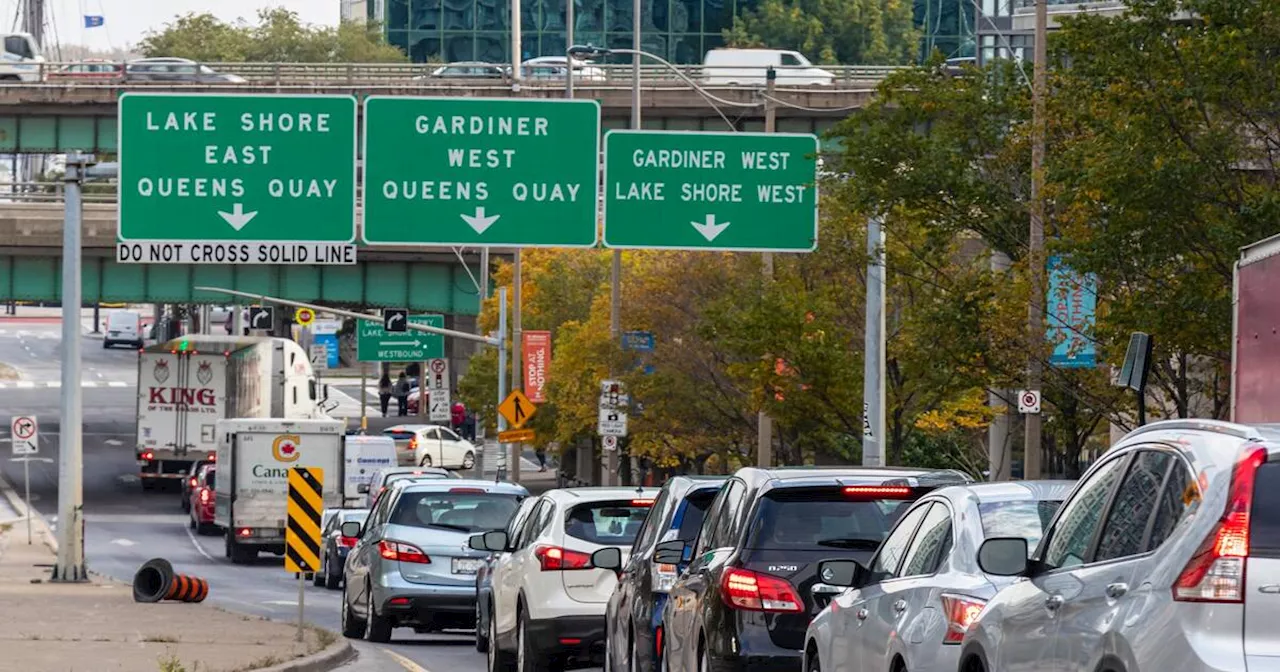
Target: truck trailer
187 384
1255 352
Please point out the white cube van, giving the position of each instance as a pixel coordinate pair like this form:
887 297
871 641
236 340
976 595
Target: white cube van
123 327
736 67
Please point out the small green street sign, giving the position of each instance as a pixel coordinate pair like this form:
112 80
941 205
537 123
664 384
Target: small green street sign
688 190
237 178
375 344
481 172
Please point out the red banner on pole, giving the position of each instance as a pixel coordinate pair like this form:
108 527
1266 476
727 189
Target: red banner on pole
537 357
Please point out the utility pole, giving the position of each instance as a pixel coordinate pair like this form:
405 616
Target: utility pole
873 397
70 564
1032 448
516 48
764 423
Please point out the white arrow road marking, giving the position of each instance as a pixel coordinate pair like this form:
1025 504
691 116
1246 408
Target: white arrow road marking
478 221
238 218
123 542
114 442
709 229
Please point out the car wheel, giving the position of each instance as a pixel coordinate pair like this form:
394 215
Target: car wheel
318 578
378 628
426 461
704 659
815 665
529 658
482 640
352 627
332 581
498 659
469 460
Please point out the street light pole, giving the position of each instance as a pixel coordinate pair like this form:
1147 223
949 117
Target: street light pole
70 564
764 423
1032 446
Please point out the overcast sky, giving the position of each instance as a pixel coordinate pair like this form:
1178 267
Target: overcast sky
126 21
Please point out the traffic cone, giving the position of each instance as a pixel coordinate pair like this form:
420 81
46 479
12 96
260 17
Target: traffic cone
156 580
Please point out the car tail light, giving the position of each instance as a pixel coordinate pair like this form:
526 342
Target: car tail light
245 532
657 643
399 601
1215 572
147 455
213 457
642 502
664 576
204 496
347 542
413 443
961 611
556 559
878 491
402 552
753 591
191 482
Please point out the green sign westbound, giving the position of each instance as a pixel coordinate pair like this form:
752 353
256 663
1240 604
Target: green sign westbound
680 190
375 344
481 172
207 178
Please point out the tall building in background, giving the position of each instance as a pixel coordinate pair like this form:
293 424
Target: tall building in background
354 10
681 31
1005 28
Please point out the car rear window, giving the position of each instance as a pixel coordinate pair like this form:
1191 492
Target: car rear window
1264 519
1026 519
822 518
459 511
695 511
606 523
400 477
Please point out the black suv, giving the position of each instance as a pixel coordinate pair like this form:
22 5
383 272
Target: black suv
751 586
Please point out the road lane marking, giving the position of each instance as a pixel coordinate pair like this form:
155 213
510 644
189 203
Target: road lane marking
88 383
25 384
404 662
195 543
123 542
117 383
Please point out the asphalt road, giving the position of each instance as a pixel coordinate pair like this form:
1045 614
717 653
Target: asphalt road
125 527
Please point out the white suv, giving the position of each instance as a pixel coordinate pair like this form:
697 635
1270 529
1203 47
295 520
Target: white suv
547 601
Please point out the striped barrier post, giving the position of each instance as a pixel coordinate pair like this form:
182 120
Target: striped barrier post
302 534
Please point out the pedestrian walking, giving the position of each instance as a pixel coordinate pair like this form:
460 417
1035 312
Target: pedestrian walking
402 394
541 453
384 393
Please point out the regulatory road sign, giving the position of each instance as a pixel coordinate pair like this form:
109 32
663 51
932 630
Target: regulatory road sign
516 436
319 355
302 535
304 316
376 344
25 434
612 422
1029 401
609 442
440 404
237 179
681 190
262 317
517 409
438 374
481 172
395 320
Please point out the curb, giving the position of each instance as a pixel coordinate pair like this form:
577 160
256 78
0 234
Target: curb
40 528
334 656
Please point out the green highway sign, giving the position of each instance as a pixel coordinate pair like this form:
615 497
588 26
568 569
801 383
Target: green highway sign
237 178
682 190
481 172
375 344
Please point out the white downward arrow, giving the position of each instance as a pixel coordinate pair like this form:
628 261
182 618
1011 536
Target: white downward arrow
709 229
237 218
478 221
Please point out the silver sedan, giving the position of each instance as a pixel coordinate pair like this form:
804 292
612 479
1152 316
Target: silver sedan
909 609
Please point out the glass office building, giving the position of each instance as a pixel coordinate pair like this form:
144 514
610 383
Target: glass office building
679 30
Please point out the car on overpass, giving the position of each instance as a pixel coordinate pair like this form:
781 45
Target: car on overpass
176 70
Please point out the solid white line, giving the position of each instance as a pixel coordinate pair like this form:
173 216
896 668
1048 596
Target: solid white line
117 383
405 662
25 383
195 543
88 383
53 383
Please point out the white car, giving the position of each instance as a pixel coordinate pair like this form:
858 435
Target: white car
546 600
434 446
553 67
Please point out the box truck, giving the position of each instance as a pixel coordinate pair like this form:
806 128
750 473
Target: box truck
1255 351
252 490
187 384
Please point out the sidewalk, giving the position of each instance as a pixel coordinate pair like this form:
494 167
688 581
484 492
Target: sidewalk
97 627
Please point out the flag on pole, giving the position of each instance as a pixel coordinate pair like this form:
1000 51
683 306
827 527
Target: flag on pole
93 20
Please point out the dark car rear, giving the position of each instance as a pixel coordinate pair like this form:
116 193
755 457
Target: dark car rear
752 586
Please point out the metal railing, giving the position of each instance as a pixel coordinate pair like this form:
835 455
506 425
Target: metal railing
603 75
51 192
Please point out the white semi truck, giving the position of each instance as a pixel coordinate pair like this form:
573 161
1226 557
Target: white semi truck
252 490
187 384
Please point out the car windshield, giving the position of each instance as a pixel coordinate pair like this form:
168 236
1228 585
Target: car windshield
1026 519
818 518
459 511
606 523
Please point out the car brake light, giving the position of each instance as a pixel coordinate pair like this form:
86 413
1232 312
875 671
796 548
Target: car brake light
1215 573
395 550
878 491
413 443
148 455
961 612
474 491
664 577
642 502
753 591
347 542
191 482
245 532
204 496
556 559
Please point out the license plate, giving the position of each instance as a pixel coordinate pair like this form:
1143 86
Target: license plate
467 565
114 333
268 533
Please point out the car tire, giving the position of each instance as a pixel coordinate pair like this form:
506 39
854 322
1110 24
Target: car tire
378 628
106 344
318 578
426 461
815 665
498 660
529 658
469 460
332 581
482 640
352 627
186 504
704 658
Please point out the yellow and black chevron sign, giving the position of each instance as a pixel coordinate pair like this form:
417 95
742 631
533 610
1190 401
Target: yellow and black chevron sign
302 536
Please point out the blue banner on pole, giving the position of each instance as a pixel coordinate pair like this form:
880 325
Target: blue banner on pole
1072 301
94 20
638 341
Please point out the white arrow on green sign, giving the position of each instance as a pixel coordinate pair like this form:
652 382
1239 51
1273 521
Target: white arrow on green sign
481 172
257 178
375 344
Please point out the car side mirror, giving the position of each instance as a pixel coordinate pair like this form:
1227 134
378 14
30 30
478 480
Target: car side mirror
1004 556
607 558
843 573
363 488
351 529
669 552
494 541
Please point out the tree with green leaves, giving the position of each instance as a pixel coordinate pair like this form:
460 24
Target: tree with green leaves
277 37
860 32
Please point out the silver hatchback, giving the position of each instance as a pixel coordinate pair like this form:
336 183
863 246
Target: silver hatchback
411 566
1166 556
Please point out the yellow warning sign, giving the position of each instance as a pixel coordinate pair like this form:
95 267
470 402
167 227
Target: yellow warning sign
302 536
516 436
304 316
517 409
